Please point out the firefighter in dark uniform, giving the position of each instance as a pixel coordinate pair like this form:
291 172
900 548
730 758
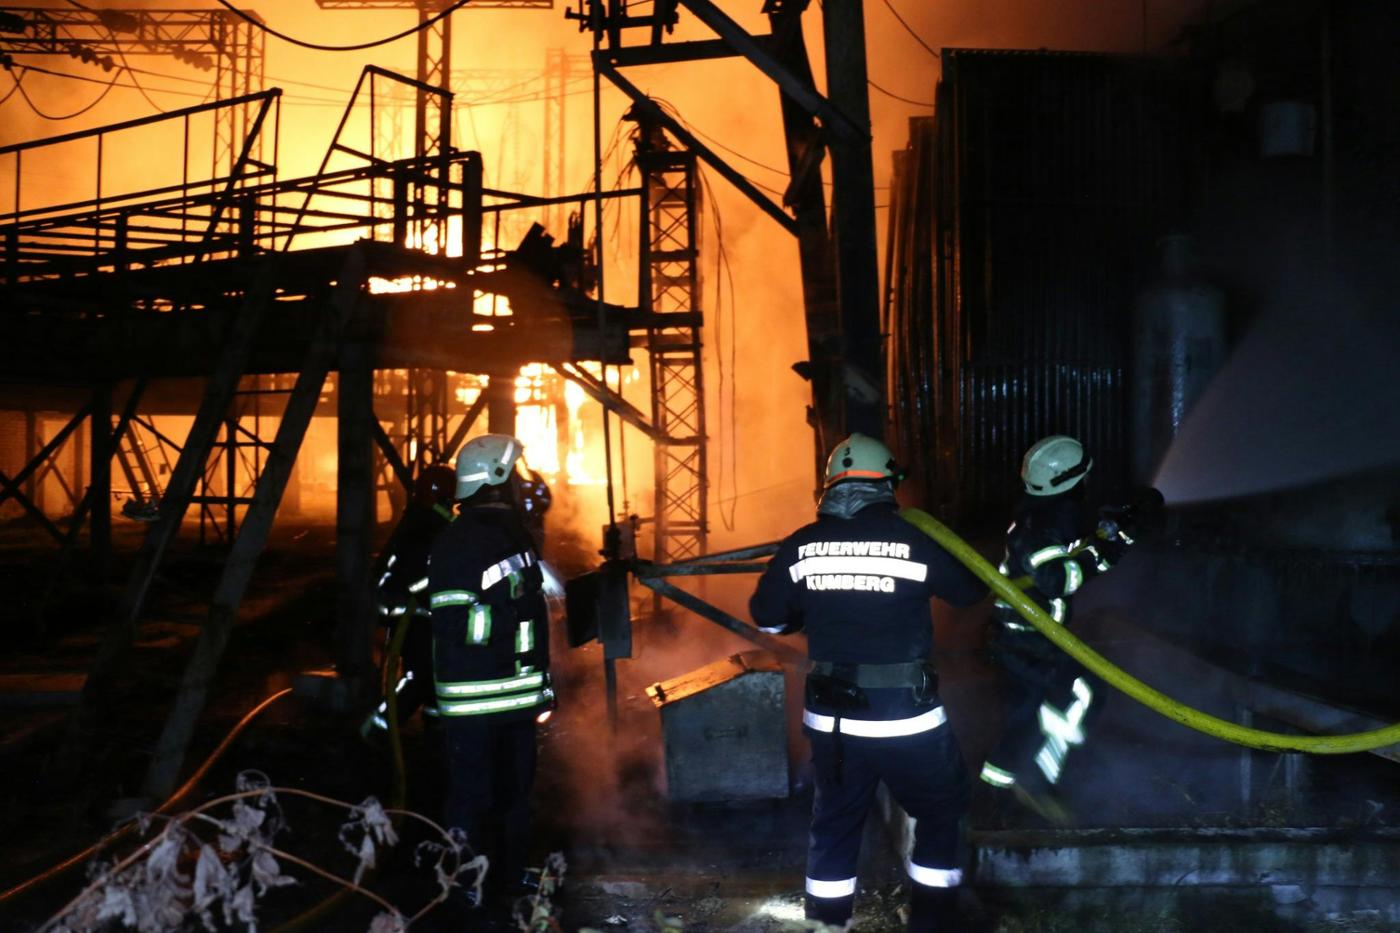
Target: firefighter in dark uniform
859 580
490 656
401 595
1047 694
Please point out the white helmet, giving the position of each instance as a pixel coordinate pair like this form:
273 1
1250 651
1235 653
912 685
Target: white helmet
1053 465
861 457
485 461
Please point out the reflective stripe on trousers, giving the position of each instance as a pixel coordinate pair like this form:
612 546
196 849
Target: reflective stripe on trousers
843 888
934 877
877 728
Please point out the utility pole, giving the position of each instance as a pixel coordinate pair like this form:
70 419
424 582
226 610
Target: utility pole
853 220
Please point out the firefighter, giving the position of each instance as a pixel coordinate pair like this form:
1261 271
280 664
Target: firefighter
490 656
1047 695
859 580
403 576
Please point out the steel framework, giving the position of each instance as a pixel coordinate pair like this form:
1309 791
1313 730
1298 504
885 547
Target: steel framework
839 275
424 439
216 41
248 273
671 286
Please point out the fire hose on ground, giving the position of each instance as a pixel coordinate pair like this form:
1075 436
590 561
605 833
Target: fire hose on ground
1126 683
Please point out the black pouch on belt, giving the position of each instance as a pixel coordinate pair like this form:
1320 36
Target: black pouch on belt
841 697
833 693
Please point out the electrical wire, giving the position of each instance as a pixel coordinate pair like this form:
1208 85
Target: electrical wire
726 269
117 44
319 47
674 112
907 100
76 77
67 116
910 29
11 92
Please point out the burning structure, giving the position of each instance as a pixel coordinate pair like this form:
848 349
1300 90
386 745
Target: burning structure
219 329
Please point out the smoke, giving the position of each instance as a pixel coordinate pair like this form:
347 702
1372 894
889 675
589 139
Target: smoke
1301 400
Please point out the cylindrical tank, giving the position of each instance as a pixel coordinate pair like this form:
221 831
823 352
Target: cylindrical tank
1178 344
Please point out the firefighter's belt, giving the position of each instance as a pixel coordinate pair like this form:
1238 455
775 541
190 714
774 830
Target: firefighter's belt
877 676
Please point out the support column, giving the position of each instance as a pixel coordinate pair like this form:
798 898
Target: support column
354 524
100 484
853 220
32 490
500 404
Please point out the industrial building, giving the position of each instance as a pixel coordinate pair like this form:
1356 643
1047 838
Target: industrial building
263 266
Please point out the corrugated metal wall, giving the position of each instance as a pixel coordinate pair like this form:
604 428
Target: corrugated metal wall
1022 222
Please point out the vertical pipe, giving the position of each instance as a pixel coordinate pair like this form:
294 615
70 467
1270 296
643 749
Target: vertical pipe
231 473
97 204
610 683
598 250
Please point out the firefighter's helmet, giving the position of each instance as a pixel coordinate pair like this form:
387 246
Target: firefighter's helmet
487 460
1054 465
435 485
861 457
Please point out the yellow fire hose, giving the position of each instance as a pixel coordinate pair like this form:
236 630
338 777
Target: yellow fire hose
1125 682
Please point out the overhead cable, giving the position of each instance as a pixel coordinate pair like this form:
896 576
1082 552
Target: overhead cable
320 47
116 43
907 100
910 29
67 116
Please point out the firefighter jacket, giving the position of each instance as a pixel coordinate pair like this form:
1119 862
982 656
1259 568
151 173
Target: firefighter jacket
490 619
403 564
1048 540
860 585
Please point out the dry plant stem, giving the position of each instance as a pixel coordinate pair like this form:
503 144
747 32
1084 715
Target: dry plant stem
199 813
309 866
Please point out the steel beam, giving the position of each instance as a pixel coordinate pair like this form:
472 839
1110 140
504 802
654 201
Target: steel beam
666 53
853 222
695 604
203 666
218 393
829 111
654 112
355 491
609 399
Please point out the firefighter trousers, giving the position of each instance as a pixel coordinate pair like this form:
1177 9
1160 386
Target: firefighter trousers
926 776
1046 697
490 772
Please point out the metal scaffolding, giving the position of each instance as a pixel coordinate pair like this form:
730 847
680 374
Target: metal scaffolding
671 286
218 42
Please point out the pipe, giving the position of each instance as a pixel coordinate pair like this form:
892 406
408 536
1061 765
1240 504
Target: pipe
1125 682
169 804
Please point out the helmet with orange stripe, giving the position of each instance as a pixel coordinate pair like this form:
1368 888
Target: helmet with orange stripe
861 458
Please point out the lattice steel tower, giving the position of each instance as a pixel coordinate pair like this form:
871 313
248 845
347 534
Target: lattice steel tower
670 285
